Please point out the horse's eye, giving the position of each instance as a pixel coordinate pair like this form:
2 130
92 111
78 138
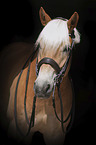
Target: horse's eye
38 46
65 49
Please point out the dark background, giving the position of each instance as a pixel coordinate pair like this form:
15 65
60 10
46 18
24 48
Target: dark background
19 22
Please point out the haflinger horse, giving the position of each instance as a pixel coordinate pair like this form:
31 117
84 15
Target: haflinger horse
41 95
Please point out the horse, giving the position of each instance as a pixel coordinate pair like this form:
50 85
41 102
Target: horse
37 101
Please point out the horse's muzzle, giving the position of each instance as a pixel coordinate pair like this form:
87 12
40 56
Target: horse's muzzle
42 91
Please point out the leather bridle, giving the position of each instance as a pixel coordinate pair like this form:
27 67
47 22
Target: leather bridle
57 81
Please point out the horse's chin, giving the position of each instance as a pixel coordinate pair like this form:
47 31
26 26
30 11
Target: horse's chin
43 96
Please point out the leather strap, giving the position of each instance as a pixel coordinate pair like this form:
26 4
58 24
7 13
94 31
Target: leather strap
49 61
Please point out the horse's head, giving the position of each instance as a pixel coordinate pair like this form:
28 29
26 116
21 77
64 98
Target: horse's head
54 42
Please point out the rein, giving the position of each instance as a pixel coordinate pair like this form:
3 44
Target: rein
31 122
57 81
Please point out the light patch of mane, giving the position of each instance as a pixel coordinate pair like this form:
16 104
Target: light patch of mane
54 34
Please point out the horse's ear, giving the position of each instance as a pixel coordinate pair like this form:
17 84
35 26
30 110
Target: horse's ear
44 17
72 22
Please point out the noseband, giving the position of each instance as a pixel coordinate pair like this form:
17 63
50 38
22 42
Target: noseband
49 61
57 81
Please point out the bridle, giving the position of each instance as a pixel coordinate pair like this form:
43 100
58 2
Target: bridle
57 81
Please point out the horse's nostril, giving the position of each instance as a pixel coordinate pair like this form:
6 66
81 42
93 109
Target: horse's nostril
48 87
42 89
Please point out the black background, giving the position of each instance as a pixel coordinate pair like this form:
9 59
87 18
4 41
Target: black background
19 21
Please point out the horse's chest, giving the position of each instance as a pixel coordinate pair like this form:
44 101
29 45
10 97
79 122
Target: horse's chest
45 119
41 118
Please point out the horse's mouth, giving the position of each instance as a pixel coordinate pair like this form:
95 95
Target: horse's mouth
43 96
